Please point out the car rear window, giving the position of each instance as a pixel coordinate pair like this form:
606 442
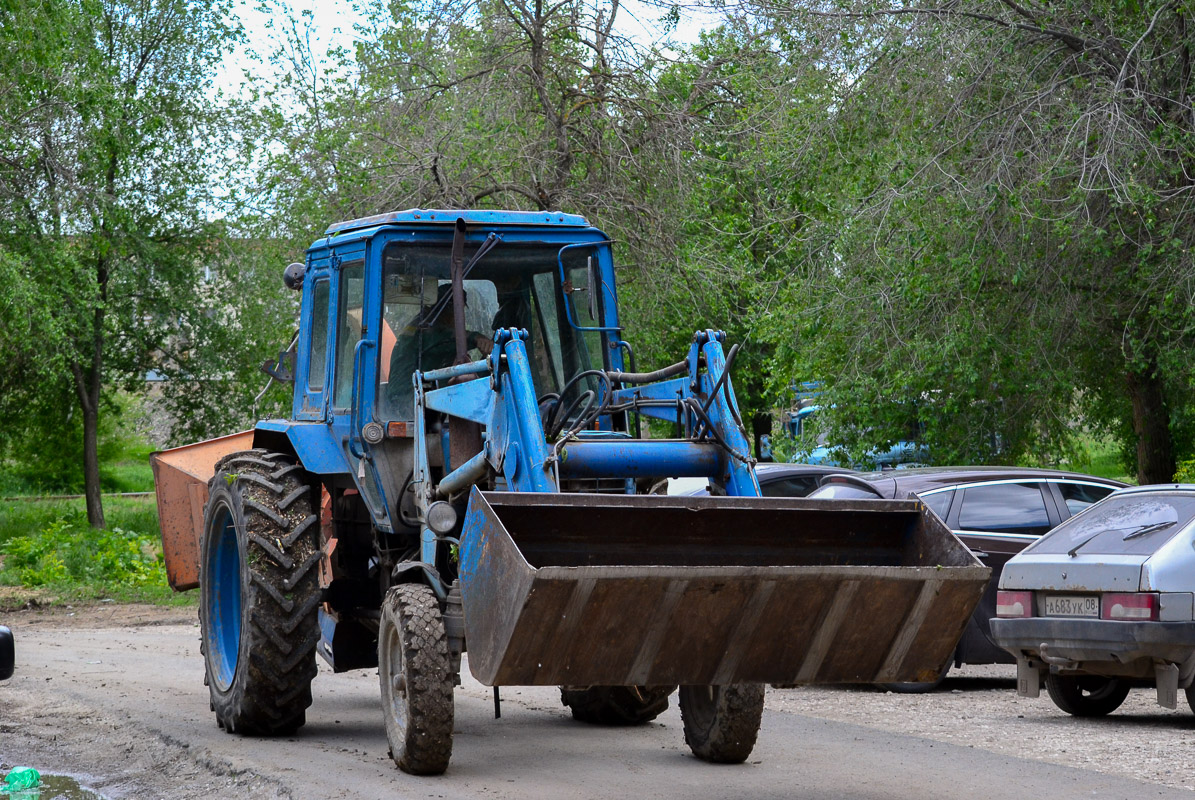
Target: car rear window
794 486
1131 524
939 502
1005 508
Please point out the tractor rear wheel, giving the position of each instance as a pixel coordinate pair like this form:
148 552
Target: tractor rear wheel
417 680
721 722
616 705
259 593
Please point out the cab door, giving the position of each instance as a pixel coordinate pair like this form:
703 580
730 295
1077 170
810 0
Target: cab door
313 362
355 298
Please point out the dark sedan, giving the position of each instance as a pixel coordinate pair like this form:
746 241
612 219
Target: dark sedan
996 511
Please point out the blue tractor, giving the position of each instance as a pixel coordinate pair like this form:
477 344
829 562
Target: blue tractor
463 475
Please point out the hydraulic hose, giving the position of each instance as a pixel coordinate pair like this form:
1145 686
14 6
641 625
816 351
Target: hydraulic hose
650 377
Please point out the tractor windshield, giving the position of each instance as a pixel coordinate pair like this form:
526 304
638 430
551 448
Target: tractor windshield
513 286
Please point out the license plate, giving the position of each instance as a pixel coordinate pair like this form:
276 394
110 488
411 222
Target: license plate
1063 605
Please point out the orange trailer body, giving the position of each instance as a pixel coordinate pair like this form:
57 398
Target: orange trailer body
180 482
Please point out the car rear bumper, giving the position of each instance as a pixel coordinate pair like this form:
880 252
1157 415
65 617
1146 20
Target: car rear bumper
1096 639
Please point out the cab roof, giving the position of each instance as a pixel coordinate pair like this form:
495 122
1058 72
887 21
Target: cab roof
433 216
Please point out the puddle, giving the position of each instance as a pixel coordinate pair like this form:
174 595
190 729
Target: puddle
53 787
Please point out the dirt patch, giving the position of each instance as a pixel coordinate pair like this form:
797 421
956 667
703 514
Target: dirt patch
14 598
100 615
116 758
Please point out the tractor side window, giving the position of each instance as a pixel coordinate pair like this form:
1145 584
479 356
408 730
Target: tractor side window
317 357
587 314
348 316
545 331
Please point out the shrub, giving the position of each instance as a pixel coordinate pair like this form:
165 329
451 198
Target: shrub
70 553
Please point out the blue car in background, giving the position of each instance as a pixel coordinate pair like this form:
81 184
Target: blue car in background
902 454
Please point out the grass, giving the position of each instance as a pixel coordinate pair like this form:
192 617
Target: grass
1100 456
49 554
28 517
48 551
131 474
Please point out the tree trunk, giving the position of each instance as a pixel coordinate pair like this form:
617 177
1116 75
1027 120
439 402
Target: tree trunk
87 390
91 467
1151 424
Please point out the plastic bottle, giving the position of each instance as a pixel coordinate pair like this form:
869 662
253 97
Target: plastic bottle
22 778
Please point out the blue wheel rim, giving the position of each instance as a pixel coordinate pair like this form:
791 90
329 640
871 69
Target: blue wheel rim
223 600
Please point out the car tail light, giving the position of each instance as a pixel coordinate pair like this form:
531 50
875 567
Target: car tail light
1136 606
1014 604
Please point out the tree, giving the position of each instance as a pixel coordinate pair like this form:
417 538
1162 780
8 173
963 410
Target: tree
499 103
107 136
1009 223
734 199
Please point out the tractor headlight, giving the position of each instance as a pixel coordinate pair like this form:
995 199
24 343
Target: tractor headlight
441 517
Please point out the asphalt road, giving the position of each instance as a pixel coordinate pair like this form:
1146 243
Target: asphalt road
126 709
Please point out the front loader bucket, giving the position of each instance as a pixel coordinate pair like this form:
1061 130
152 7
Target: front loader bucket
589 589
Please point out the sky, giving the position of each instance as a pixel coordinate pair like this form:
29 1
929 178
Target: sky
333 22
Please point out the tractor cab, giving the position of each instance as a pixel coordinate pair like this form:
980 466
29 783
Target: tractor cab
378 305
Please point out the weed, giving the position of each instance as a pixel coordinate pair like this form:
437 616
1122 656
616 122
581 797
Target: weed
70 551
49 547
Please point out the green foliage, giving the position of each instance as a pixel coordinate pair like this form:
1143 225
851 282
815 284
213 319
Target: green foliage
1099 455
1185 472
1025 266
48 548
39 451
112 144
70 555
243 316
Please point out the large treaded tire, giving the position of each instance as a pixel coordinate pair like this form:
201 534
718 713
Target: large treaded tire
260 593
1086 695
616 705
721 722
416 679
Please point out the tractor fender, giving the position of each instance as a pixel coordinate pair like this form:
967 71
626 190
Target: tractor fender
312 443
419 572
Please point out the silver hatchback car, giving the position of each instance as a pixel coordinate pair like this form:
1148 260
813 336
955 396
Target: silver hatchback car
1105 599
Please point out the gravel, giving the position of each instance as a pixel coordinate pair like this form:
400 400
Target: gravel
977 706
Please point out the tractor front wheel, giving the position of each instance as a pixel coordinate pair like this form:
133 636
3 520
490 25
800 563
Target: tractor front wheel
721 722
259 593
417 680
